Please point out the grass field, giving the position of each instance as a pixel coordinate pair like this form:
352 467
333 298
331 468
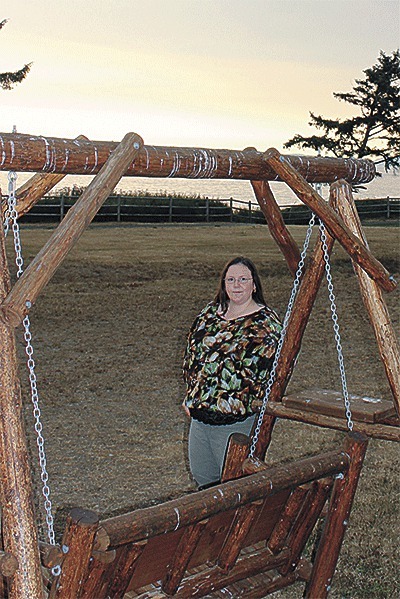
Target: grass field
109 333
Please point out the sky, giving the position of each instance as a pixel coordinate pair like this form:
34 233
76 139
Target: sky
204 73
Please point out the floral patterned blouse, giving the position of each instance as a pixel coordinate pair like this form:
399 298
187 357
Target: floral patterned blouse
227 364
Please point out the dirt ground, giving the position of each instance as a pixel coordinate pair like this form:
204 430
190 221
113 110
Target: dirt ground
109 333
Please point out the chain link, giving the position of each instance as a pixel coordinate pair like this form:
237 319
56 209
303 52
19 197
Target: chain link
271 380
13 217
336 327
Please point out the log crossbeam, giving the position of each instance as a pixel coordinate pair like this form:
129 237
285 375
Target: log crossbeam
30 153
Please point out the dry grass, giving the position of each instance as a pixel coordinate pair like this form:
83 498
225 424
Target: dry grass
109 333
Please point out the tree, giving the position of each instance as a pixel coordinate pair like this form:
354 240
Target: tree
375 131
8 80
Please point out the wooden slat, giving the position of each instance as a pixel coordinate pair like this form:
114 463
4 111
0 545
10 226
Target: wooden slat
155 558
128 558
111 578
214 578
235 539
305 521
177 566
278 537
331 403
377 431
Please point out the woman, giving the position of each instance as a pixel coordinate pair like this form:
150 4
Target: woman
229 354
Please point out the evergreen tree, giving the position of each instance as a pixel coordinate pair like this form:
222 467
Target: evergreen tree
8 80
375 131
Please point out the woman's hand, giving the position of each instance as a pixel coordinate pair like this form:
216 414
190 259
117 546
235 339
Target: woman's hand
186 409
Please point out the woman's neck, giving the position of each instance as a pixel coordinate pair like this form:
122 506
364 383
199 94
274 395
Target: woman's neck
238 310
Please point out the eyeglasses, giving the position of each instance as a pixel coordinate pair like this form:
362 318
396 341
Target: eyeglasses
240 280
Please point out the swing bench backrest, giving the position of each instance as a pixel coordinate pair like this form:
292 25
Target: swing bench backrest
240 536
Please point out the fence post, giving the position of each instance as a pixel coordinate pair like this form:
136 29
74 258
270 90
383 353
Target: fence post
62 207
388 207
170 210
119 208
231 209
250 212
207 210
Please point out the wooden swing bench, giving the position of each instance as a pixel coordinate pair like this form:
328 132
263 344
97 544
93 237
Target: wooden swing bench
245 536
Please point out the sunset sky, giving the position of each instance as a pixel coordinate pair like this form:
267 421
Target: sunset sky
216 73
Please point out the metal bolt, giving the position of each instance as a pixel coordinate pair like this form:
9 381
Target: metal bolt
136 145
28 304
65 548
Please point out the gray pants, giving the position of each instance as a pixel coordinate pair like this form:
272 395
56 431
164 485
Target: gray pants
207 448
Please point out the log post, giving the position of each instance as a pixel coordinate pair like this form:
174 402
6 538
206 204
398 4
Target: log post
298 320
77 545
350 242
337 519
236 453
276 224
19 530
342 200
43 266
8 564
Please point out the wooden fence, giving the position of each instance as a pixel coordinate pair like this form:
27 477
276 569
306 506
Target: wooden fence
121 208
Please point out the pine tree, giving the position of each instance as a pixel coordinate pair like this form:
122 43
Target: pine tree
375 131
9 79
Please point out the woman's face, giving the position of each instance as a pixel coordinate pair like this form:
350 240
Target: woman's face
239 284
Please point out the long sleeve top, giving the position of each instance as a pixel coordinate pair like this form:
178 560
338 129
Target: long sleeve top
227 364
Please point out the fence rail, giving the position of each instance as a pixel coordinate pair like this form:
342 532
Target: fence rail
121 208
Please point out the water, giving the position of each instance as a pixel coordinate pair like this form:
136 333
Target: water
387 185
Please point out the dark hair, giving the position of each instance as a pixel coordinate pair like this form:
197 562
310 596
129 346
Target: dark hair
221 295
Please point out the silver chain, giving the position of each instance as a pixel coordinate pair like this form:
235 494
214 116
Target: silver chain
271 380
336 327
12 216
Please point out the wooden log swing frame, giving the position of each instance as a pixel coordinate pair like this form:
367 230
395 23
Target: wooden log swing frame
226 524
